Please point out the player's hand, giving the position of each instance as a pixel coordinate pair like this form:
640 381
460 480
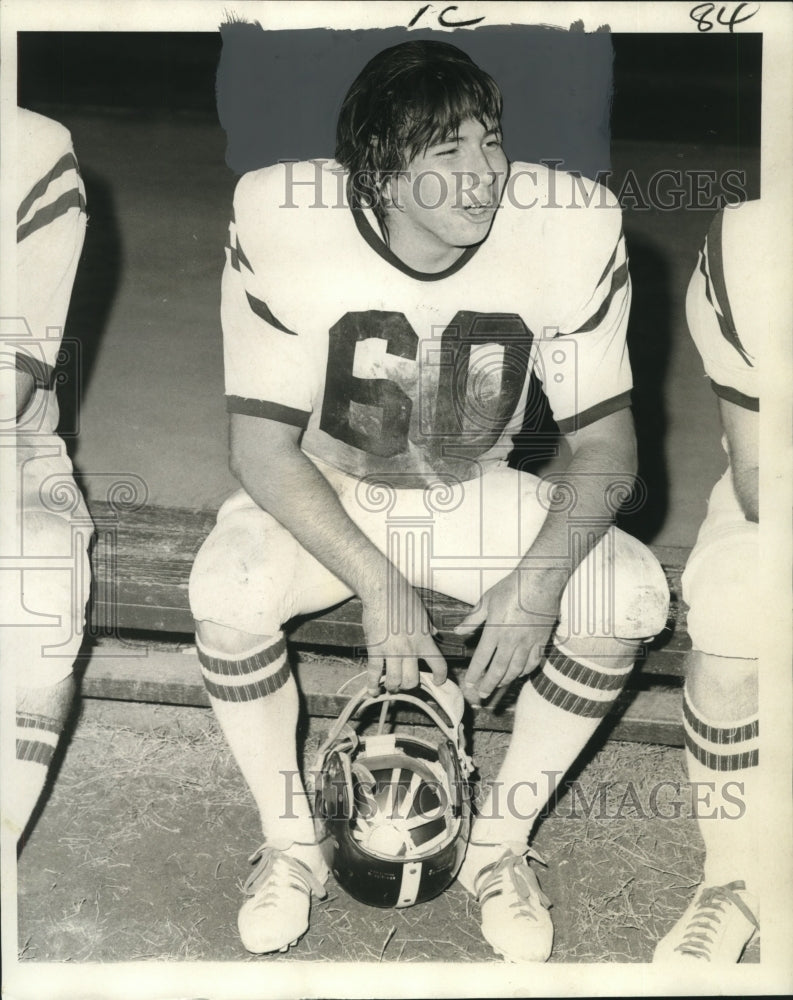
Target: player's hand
398 635
517 624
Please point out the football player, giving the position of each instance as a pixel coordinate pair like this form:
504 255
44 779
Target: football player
382 315
53 526
729 315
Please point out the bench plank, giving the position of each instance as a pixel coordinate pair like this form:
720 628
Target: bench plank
138 672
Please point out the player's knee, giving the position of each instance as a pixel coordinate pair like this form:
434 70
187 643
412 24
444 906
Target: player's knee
641 590
720 588
619 591
225 641
239 577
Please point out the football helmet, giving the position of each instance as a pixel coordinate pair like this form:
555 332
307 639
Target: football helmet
392 810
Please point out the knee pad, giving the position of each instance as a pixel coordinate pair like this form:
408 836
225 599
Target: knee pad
241 573
619 590
47 631
720 588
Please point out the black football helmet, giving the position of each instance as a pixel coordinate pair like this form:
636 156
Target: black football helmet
392 811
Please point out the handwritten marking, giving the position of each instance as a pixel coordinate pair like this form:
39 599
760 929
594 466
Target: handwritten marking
727 15
443 20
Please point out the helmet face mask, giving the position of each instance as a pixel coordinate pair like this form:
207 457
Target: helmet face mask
391 810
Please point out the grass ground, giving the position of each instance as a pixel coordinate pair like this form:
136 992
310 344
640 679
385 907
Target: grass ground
142 849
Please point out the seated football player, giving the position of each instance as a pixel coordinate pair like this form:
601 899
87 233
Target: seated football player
728 316
382 315
53 527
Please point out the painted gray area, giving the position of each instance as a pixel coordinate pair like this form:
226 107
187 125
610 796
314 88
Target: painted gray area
279 92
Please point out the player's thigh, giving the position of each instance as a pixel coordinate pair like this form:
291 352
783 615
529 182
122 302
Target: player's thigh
461 538
252 575
455 537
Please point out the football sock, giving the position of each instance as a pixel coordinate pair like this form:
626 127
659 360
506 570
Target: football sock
36 739
557 712
255 700
723 755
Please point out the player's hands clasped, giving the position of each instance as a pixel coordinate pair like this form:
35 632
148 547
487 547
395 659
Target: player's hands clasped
518 615
398 635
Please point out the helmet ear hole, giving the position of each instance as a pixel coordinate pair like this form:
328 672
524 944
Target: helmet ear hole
335 800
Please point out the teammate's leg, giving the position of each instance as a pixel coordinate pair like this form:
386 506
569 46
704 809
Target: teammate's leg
40 717
720 718
42 656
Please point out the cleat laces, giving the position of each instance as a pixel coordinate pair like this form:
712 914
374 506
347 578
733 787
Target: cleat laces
511 874
275 871
707 920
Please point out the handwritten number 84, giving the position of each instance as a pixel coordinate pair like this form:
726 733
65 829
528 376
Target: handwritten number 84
726 17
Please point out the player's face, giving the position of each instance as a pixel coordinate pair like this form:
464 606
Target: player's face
447 197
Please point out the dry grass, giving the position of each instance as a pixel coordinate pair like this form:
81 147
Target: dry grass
142 850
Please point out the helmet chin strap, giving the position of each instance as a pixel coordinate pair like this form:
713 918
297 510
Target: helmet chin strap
447 696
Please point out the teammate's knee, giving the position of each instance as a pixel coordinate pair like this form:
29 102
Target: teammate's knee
719 586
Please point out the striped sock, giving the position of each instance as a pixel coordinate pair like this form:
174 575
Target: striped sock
256 702
578 686
253 676
556 714
724 756
36 739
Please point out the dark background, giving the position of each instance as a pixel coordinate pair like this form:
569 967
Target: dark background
686 88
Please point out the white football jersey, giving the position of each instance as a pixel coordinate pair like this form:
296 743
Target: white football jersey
728 314
51 224
390 370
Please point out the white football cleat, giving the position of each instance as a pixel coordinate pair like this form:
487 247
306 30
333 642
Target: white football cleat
718 924
276 915
515 919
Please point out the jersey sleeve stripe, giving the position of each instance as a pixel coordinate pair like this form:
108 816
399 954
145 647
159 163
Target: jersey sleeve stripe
618 280
237 256
66 162
569 425
41 372
711 265
264 408
68 200
733 396
260 309
610 264
241 256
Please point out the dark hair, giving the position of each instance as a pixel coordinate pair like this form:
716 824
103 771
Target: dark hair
404 100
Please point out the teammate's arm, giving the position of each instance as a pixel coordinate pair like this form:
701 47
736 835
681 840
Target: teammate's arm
519 613
266 458
25 385
742 431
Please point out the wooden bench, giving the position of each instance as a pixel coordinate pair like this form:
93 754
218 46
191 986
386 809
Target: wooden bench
140 631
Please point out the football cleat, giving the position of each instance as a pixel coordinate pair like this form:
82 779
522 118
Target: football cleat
717 926
280 888
515 919
392 811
